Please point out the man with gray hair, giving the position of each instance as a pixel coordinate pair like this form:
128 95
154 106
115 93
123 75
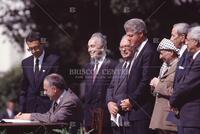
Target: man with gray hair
66 105
139 102
178 37
186 97
97 80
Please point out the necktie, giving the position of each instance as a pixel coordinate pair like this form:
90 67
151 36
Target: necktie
95 71
135 55
191 61
133 60
55 105
125 65
36 68
125 68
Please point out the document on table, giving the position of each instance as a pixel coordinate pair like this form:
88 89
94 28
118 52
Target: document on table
17 121
117 119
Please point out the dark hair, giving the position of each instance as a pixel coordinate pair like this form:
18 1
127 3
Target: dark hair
33 36
56 80
11 100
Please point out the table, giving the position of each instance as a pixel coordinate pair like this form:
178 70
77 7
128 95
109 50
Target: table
31 128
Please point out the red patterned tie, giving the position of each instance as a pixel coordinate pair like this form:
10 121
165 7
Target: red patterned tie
95 71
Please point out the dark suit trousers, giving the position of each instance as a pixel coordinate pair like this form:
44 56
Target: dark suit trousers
190 130
139 127
118 130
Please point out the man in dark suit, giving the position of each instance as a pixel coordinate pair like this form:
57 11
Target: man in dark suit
10 110
178 36
186 97
35 68
97 79
139 102
117 90
66 105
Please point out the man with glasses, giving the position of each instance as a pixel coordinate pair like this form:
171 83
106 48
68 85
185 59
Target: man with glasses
35 68
117 90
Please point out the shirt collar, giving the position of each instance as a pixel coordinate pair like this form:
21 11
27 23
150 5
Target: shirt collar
100 61
182 50
10 113
139 49
60 97
41 57
195 54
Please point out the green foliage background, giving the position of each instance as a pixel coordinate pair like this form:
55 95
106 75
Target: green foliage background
10 85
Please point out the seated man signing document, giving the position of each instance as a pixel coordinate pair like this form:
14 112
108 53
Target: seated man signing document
66 105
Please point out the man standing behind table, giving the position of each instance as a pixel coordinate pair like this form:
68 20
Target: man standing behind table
144 66
35 68
100 68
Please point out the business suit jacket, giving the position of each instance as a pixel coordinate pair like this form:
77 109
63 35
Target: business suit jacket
144 68
181 66
30 98
4 115
161 107
95 93
117 90
186 96
68 109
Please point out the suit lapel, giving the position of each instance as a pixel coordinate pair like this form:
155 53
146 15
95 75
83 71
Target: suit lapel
89 77
99 74
189 67
30 73
123 76
43 69
61 101
138 58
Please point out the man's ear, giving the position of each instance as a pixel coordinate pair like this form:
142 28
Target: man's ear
183 37
54 88
141 34
197 43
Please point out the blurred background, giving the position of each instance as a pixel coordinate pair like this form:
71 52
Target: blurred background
67 26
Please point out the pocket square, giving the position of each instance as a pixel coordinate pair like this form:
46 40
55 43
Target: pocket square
180 67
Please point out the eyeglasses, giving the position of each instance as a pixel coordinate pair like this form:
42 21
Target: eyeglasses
33 48
190 40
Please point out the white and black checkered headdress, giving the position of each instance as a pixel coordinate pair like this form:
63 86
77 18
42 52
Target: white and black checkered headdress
167 44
